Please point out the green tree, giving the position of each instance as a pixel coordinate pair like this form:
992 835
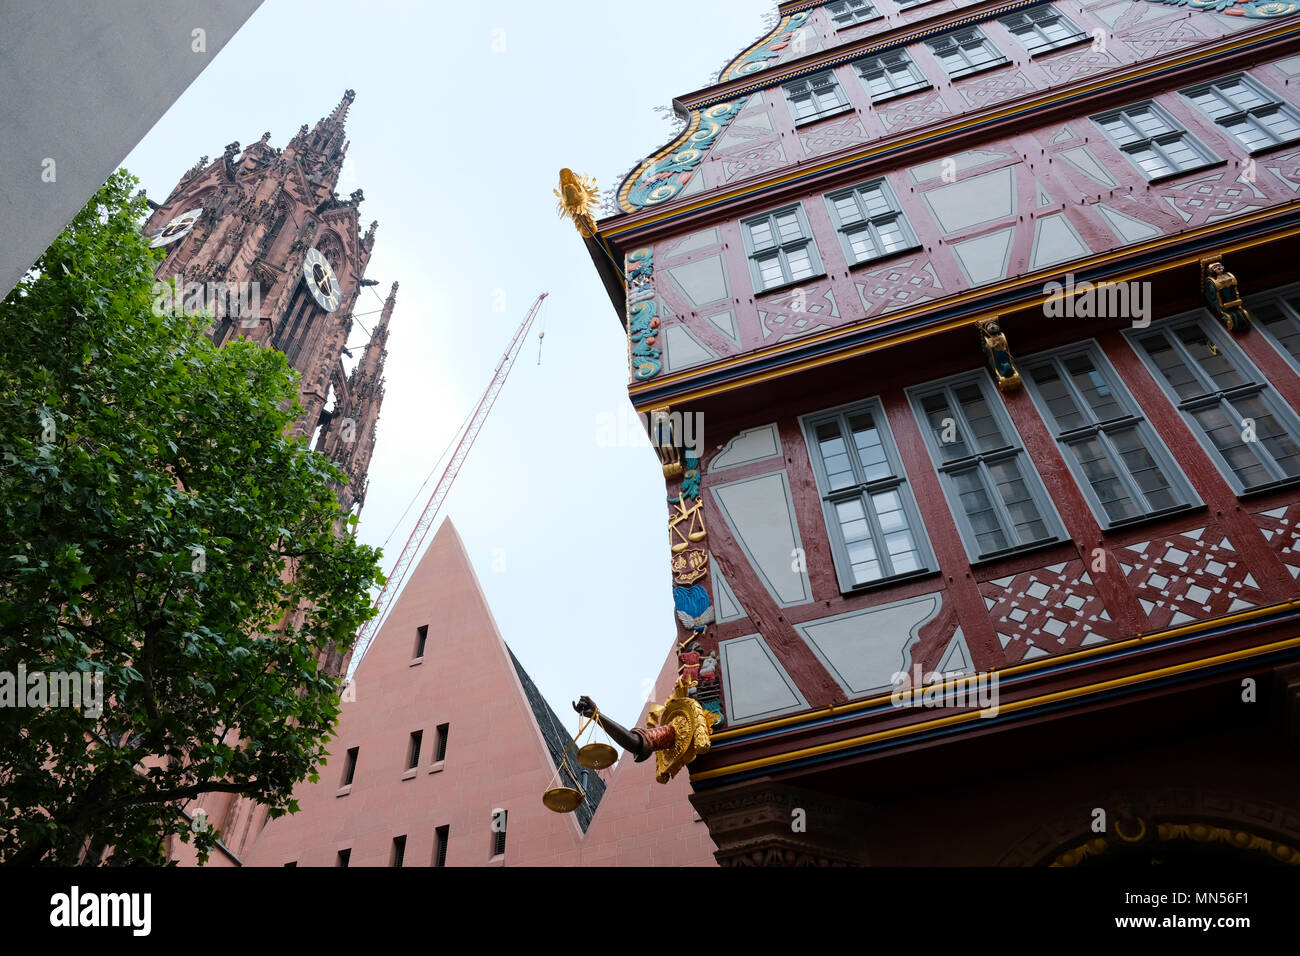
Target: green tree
158 527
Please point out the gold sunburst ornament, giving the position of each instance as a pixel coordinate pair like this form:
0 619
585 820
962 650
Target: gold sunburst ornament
579 198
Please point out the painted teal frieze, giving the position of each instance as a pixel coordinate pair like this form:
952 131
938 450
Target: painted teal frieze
1252 9
769 49
660 180
642 314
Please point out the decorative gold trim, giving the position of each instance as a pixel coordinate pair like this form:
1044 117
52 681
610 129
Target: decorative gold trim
1194 832
1027 282
1006 708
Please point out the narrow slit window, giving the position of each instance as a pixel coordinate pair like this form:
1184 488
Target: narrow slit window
440 748
413 756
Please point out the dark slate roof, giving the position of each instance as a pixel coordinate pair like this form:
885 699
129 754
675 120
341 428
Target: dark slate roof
558 737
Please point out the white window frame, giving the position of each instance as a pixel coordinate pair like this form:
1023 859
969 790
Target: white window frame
807 88
1256 385
869 223
862 490
852 12
962 40
1131 418
1287 299
1027 26
1273 104
980 461
1155 143
781 249
880 65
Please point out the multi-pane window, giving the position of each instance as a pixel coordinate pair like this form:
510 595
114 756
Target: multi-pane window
1278 319
997 497
874 524
1153 140
1254 438
1116 458
892 74
780 248
1248 111
962 52
870 222
848 12
1042 28
815 96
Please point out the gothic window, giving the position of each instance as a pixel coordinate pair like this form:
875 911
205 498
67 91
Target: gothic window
870 222
1251 435
995 494
1116 458
890 75
963 52
815 97
1248 111
872 519
848 12
1153 140
780 248
1277 318
1042 28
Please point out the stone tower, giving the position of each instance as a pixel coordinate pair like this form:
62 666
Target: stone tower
281 260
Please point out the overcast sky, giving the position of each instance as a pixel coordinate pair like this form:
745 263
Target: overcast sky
464 115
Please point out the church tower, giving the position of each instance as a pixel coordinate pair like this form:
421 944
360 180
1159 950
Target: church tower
263 237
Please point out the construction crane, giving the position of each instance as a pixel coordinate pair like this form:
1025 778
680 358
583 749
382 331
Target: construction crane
388 594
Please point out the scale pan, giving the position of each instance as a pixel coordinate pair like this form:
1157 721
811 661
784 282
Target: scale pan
597 756
562 799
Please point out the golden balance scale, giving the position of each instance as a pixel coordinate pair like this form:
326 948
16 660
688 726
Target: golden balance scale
594 755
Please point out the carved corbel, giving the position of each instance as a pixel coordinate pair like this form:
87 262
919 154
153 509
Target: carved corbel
663 435
994 342
1219 286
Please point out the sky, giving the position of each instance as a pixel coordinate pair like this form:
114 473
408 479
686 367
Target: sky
464 115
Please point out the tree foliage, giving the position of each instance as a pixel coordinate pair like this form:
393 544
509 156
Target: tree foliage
159 526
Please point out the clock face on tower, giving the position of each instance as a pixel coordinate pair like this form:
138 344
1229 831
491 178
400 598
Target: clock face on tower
178 228
321 281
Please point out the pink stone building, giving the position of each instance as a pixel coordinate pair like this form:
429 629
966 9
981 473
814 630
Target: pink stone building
446 731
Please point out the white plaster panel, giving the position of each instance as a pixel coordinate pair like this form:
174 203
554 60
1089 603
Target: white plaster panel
760 513
863 650
758 687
